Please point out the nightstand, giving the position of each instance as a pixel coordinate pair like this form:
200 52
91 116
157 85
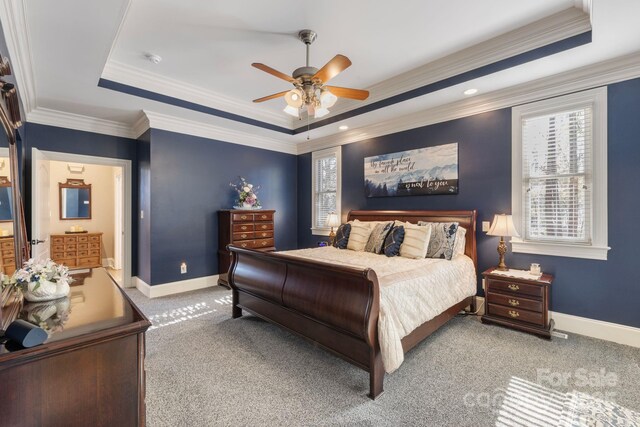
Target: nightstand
518 302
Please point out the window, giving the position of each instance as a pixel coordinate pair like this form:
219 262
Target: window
559 176
326 184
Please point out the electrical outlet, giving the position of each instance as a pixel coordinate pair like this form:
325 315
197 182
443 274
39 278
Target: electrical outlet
486 225
183 268
141 214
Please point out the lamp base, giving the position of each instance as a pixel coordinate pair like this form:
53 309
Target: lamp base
332 237
502 250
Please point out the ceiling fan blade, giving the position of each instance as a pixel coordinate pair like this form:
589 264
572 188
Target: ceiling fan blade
338 64
273 72
275 95
345 92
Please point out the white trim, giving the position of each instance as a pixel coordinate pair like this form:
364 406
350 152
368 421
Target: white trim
127 177
190 127
599 225
607 331
16 33
175 287
108 262
329 152
600 74
46 116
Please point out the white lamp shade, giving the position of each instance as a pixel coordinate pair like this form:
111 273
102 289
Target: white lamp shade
294 98
327 99
333 220
502 226
320 112
292 111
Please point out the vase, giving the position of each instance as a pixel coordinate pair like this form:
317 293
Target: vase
47 290
247 206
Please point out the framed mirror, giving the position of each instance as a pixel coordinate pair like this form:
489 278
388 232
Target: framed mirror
6 200
75 199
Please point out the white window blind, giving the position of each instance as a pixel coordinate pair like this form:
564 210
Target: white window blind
326 186
557 176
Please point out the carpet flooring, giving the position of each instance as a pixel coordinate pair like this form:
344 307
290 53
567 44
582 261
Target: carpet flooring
206 369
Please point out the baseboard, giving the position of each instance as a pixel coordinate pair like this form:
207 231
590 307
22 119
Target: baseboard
607 331
108 262
174 287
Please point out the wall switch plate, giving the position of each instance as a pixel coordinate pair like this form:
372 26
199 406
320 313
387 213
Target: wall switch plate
486 225
183 268
484 287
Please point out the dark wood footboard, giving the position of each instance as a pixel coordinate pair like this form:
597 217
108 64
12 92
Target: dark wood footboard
335 307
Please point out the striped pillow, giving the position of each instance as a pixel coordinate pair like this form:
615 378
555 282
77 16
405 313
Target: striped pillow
359 236
416 241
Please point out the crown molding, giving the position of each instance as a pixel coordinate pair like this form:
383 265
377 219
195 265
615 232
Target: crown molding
554 28
46 116
603 73
204 130
142 79
16 34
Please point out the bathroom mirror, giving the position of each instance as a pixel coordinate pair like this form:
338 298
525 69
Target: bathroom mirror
75 199
6 200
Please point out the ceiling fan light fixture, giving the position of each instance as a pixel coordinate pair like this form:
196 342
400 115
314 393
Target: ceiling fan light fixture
327 99
320 112
295 112
294 98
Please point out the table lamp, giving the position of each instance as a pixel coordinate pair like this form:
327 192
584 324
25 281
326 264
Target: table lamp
502 226
332 221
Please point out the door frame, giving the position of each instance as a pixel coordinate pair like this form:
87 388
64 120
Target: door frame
126 195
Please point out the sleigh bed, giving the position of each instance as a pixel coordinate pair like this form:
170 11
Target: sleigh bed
335 306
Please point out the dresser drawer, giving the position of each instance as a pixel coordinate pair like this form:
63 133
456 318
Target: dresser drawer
94 252
83 239
69 262
515 301
88 261
58 248
57 256
70 247
242 217
8 253
242 227
242 236
9 261
70 254
264 234
83 253
59 240
247 244
263 243
264 226
263 216
512 287
94 245
516 314
83 246
94 239
7 245
70 239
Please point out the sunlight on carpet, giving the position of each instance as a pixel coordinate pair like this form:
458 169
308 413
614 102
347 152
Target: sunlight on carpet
180 315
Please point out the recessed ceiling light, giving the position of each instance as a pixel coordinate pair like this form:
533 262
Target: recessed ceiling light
153 58
343 127
470 92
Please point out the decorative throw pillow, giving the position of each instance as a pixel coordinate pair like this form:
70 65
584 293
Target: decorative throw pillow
359 236
443 237
416 241
376 239
393 241
461 241
342 236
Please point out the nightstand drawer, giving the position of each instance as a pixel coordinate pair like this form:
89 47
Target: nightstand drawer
242 227
263 216
242 217
242 236
514 287
516 315
515 302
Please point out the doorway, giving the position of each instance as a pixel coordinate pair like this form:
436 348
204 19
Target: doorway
85 202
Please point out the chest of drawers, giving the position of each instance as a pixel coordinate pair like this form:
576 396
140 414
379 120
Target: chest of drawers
251 229
77 250
7 256
518 303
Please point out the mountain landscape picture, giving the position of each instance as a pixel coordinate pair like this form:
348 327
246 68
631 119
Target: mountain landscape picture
424 171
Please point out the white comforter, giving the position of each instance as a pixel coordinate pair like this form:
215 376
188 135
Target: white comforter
412 291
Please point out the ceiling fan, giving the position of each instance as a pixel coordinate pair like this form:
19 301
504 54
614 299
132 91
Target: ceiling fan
310 91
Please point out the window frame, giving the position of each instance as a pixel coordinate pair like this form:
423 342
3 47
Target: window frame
598 249
315 156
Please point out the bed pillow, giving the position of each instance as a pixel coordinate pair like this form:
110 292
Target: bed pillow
443 237
393 241
359 236
342 236
378 234
416 241
461 241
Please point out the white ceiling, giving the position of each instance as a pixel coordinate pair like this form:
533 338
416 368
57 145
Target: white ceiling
209 46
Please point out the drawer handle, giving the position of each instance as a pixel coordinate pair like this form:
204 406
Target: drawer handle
264 227
244 236
244 245
244 227
264 234
514 313
514 287
514 302
264 243
243 217
264 217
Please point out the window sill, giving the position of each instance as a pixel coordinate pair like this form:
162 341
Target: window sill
320 231
558 249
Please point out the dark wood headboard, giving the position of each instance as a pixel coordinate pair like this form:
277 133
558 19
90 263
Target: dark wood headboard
466 219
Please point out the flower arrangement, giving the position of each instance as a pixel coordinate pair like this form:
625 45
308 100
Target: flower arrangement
247 195
40 281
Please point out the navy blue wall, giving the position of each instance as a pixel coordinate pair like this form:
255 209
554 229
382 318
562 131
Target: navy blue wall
581 286
144 204
190 179
51 138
